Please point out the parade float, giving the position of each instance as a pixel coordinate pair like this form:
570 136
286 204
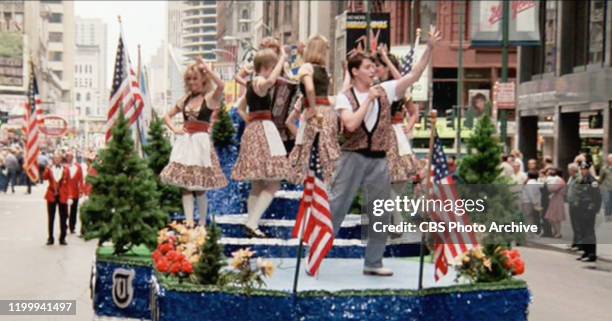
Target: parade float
149 268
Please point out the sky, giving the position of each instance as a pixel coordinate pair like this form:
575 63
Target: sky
144 24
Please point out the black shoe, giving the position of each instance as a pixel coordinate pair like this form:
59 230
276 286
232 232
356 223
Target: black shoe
63 242
71 231
583 256
257 233
590 258
49 241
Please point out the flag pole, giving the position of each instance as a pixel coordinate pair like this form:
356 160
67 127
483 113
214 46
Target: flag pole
299 252
433 115
139 144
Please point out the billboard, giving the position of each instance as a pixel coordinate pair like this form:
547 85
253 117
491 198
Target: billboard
356 31
12 61
486 23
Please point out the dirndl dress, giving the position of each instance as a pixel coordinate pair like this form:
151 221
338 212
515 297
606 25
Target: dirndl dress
262 153
400 157
194 164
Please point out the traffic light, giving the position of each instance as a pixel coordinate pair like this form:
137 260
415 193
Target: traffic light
4 116
450 117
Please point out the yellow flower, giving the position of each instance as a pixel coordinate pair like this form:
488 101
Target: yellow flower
240 257
487 263
478 254
267 267
466 259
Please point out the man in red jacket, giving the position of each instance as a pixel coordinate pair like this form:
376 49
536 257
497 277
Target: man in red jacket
75 183
57 197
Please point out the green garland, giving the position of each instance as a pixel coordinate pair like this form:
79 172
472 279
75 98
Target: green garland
173 284
138 256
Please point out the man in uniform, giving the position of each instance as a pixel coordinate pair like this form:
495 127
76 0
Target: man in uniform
587 199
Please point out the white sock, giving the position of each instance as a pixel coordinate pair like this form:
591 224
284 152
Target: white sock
188 207
261 205
202 207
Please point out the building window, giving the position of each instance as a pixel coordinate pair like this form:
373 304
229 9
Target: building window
78 97
88 97
427 15
287 11
596 31
209 20
55 55
244 27
87 111
58 73
245 13
209 11
56 17
56 37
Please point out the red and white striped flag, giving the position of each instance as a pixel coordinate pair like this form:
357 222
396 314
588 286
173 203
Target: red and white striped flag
314 215
125 92
31 117
448 245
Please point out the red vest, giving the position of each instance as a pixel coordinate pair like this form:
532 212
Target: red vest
362 140
87 188
56 187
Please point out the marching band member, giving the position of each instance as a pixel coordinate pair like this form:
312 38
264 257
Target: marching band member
262 159
194 165
318 115
57 197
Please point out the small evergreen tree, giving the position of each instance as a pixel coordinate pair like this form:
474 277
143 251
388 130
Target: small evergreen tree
211 257
480 175
158 151
124 206
223 130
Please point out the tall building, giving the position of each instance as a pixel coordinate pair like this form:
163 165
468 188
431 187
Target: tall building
90 89
564 92
199 29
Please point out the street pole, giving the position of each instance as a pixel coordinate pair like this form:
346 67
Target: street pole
504 75
459 81
368 27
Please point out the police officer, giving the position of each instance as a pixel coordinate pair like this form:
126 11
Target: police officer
587 200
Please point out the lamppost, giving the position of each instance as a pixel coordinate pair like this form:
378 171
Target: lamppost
235 68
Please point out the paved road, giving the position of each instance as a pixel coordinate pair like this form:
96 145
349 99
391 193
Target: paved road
563 289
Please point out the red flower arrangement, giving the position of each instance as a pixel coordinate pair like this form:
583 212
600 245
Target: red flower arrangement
514 262
168 260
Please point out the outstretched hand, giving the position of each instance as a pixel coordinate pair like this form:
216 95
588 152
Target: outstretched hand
434 37
202 64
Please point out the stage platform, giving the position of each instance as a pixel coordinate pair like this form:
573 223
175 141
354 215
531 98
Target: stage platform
346 274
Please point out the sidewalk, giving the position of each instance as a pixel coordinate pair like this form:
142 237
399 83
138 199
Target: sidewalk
603 230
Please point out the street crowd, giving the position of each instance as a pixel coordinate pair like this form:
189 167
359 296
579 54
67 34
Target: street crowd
547 199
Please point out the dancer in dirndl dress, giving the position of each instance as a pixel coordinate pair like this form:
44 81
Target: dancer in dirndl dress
319 119
194 165
263 158
400 157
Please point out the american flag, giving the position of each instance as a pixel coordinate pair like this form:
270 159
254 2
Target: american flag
314 215
31 116
448 245
407 61
125 92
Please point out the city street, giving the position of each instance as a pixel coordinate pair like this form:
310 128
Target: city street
562 288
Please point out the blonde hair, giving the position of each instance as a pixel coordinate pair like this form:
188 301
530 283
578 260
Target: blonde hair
316 50
270 43
192 69
264 58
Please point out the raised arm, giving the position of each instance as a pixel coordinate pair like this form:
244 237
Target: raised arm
406 81
413 113
346 83
244 72
262 86
306 72
294 116
214 99
384 54
242 106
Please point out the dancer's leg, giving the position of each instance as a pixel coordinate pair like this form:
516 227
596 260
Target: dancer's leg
202 207
188 206
256 188
262 203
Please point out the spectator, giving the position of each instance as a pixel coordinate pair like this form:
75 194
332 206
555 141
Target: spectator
588 202
574 212
43 161
532 165
518 157
519 177
506 166
555 214
531 204
3 174
12 167
605 181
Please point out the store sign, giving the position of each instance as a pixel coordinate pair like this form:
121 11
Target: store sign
505 95
52 125
420 89
486 23
357 35
12 61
